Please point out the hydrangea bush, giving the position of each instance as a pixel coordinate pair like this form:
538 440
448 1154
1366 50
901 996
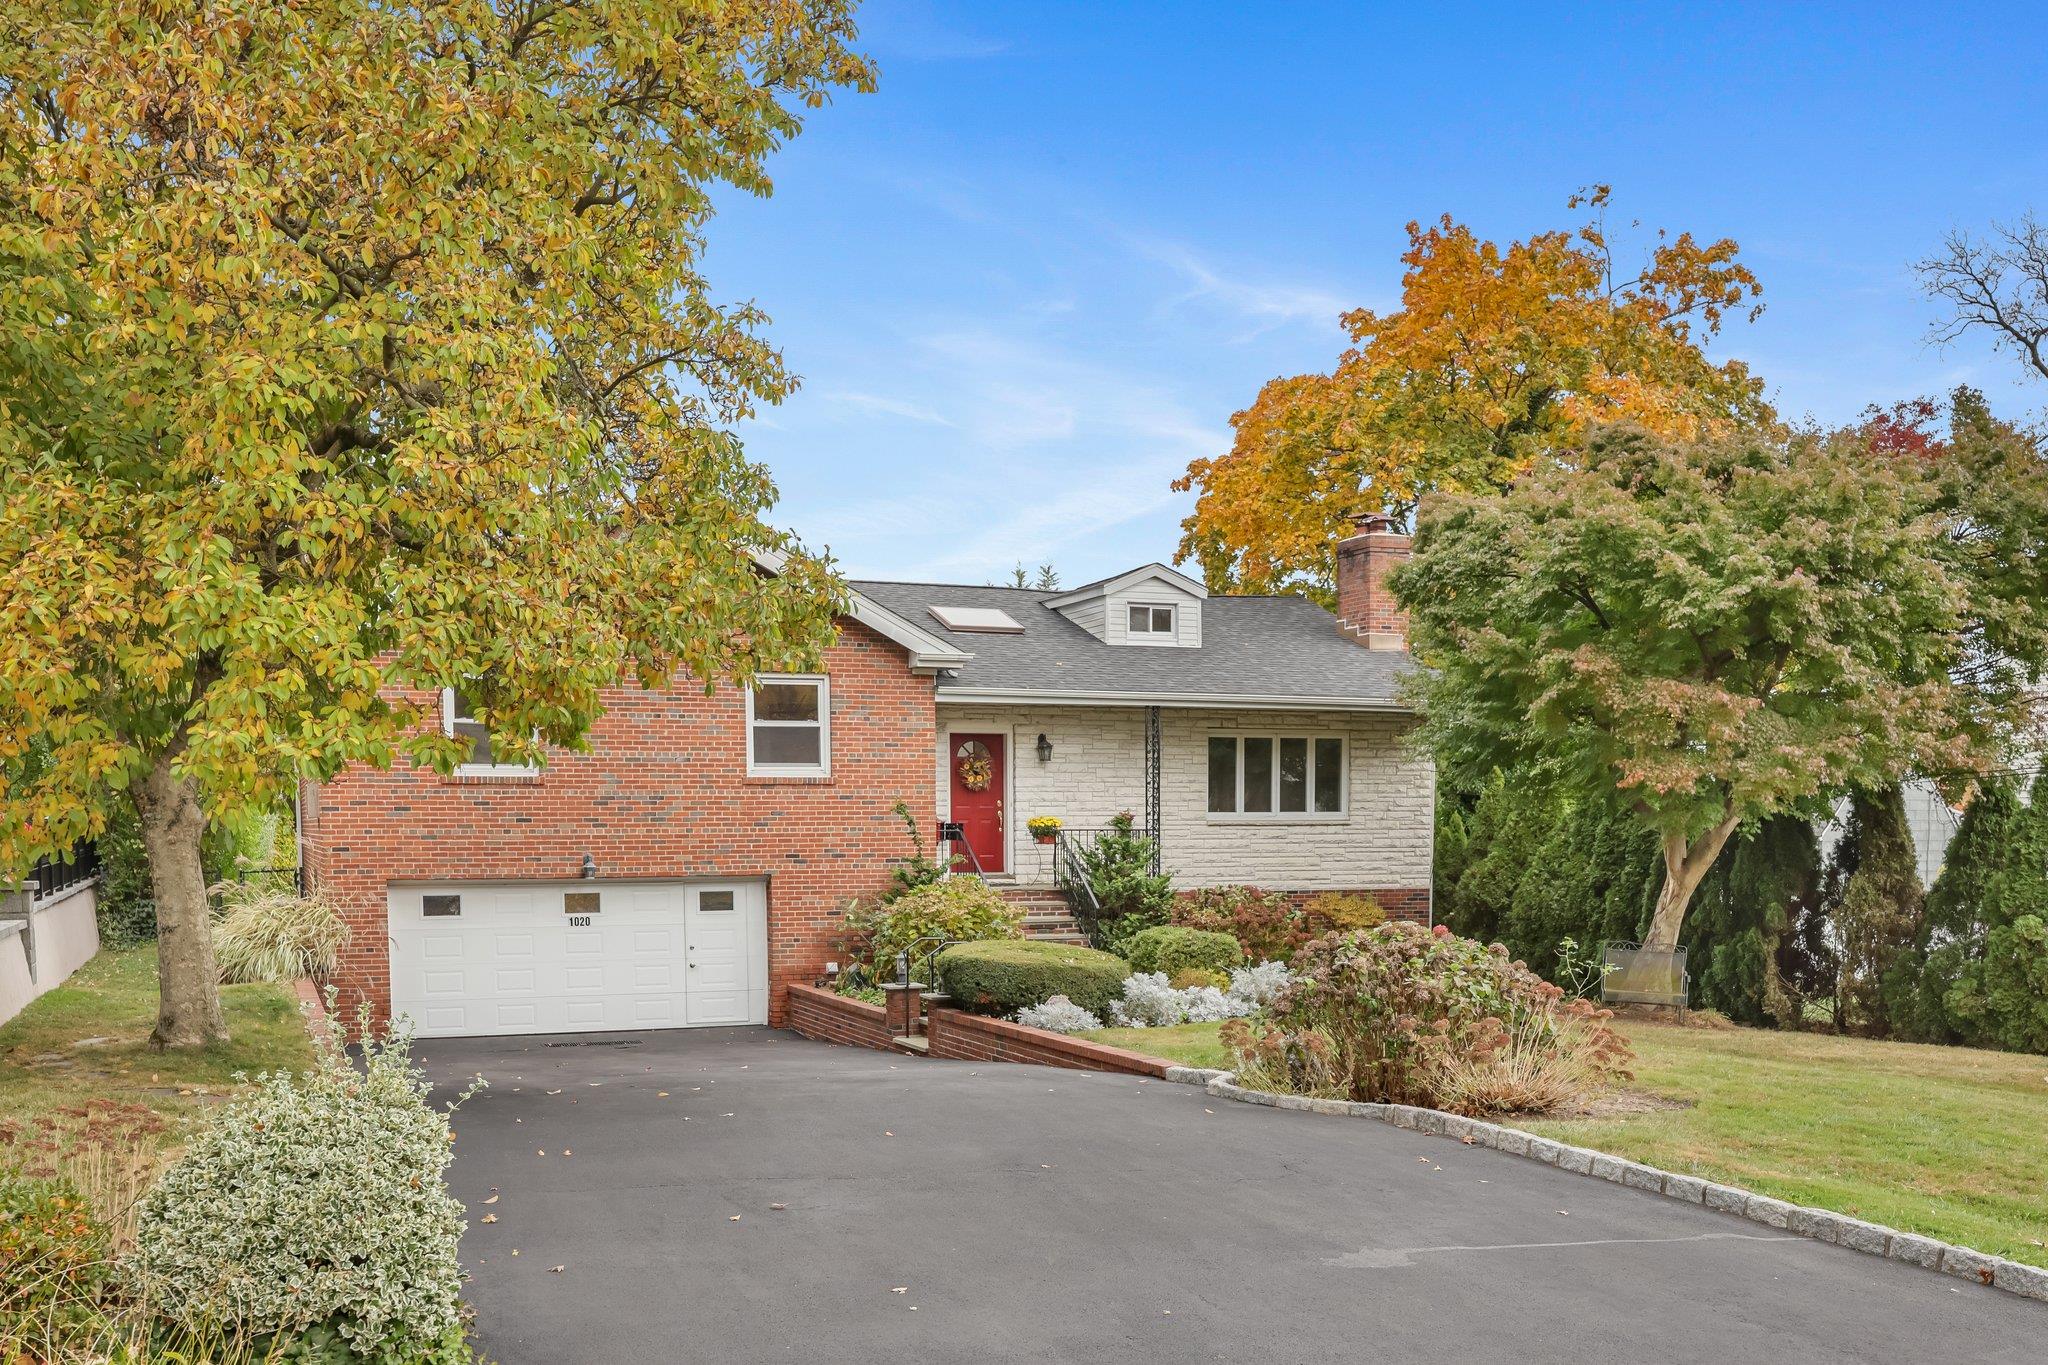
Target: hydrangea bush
316 1201
1058 1015
1410 1015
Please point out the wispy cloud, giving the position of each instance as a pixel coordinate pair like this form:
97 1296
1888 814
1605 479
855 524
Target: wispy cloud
893 407
1265 303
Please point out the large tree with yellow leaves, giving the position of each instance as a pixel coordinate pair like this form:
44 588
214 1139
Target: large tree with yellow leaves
348 345
1497 358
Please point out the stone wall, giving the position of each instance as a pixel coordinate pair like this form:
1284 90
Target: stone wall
1383 842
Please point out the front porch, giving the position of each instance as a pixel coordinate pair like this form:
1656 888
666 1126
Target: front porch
1284 799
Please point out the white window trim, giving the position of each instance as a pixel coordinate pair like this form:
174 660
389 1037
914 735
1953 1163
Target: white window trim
823 767
478 769
1169 636
1241 816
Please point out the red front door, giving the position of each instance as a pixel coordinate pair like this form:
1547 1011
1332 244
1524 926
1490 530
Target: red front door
977 766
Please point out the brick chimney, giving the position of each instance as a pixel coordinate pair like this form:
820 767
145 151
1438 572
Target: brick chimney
1365 609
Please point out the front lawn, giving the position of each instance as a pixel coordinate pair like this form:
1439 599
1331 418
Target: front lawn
89 1039
1945 1142
1186 1044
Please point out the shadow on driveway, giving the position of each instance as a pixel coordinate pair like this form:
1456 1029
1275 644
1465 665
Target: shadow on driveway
739 1195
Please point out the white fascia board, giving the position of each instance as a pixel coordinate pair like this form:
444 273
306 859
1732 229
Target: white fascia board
1005 696
926 649
1110 585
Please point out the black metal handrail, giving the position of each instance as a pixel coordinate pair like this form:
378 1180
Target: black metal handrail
953 832
54 874
1070 847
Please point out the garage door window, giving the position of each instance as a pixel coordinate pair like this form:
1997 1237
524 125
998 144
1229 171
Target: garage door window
789 727
436 907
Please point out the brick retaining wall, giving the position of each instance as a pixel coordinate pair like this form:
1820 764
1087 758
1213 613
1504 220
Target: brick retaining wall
832 1018
977 1038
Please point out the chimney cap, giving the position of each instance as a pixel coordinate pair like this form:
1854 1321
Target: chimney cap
1376 523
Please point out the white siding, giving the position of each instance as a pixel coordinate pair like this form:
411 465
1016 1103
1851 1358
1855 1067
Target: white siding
1088 616
1187 619
1384 839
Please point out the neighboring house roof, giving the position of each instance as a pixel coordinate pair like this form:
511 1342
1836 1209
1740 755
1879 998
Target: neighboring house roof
1269 651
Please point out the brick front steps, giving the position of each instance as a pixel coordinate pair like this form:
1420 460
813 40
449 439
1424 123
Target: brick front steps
1048 914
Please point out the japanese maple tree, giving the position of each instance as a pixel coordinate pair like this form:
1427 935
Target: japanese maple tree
1712 632
346 347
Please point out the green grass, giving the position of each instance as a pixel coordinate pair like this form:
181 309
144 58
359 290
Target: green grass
1945 1142
1186 1044
114 997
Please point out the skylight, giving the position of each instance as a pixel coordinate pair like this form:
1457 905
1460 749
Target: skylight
977 620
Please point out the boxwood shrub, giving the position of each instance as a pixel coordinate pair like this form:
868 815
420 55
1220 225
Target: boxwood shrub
1004 977
1170 948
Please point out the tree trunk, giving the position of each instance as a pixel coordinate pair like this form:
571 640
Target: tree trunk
188 981
1685 867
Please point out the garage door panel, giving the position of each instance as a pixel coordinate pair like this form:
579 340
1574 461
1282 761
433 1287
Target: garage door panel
497 959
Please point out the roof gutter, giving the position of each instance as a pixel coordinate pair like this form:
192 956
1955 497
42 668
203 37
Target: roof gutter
1249 701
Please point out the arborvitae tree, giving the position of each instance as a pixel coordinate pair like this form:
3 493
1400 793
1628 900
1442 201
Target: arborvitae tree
1879 909
1995 874
1504 832
1754 922
1589 881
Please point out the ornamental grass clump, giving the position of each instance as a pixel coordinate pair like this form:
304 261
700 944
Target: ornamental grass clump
1406 1015
317 1205
264 934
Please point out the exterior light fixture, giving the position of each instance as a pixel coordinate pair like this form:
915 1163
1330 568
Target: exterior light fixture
1044 749
589 868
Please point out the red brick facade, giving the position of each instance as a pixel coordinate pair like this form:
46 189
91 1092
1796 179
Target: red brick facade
1366 610
662 793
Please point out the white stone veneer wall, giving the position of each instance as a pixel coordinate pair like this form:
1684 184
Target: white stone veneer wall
1098 769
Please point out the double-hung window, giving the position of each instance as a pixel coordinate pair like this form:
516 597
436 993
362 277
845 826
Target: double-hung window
459 719
1276 776
1151 625
789 727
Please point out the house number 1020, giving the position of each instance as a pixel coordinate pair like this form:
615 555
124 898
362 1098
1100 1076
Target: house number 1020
579 921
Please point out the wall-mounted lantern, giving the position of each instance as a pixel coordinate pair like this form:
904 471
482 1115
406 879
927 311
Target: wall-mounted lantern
1044 749
589 868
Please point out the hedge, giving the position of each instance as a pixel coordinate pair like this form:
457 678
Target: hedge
1004 977
1171 948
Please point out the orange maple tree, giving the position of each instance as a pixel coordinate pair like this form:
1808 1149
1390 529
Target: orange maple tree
1498 357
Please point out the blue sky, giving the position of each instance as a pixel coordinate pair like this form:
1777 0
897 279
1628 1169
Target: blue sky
1036 272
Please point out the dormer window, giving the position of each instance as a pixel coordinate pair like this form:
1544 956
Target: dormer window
1151 622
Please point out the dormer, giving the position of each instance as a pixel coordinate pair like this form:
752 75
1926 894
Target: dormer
1152 606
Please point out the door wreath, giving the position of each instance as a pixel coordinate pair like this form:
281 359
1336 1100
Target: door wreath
975 769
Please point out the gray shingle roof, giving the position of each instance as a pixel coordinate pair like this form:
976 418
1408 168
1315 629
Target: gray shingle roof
1252 647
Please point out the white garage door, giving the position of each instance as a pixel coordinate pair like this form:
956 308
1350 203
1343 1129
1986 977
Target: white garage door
578 957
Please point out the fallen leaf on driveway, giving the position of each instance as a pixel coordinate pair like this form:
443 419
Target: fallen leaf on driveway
1467 1141
556 1269
778 1206
1566 1213
661 1094
886 1133
515 1251
901 1289
490 1218
734 1219
567 1152
554 1092
538 1152
494 1195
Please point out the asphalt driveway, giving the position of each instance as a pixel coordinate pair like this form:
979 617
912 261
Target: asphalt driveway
742 1195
